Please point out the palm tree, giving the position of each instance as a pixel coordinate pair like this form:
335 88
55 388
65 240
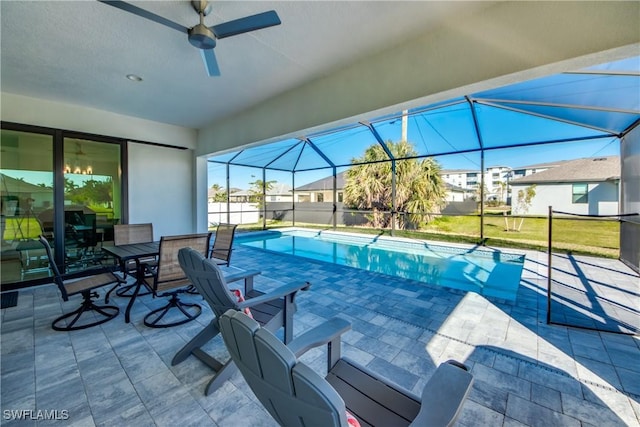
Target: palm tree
427 190
419 187
255 191
220 194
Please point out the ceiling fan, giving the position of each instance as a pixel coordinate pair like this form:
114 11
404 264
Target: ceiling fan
201 36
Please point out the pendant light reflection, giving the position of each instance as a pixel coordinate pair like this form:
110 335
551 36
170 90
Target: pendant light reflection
78 166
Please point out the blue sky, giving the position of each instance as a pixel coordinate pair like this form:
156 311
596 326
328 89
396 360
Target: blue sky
240 177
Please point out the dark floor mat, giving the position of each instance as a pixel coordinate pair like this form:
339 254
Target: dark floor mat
9 299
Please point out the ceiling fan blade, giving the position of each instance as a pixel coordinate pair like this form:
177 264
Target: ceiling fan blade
246 24
128 7
210 63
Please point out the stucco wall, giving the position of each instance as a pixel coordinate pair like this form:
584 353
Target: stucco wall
39 112
160 189
602 199
161 180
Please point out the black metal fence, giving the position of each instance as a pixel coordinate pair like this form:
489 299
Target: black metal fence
584 293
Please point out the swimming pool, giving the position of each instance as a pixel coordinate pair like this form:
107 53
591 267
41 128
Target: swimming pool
482 270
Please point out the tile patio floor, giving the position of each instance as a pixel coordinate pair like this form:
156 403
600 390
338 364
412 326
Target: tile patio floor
526 372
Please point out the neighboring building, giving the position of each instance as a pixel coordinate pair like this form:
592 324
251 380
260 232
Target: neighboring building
581 186
278 193
457 194
321 190
495 180
521 171
462 178
212 193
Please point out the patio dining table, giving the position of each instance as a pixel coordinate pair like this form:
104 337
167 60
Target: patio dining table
133 252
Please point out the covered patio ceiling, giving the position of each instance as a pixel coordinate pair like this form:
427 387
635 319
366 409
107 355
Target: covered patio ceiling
598 102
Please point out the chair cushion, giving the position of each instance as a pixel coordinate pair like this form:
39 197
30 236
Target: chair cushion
88 283
351 420
240 297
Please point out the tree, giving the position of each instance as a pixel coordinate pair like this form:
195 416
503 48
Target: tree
91 192
220 194
523 203
502 190
255 191
419 186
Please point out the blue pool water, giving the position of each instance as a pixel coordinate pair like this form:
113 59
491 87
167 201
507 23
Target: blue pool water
485 271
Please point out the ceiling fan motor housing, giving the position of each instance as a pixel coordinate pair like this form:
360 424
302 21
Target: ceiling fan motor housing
202 37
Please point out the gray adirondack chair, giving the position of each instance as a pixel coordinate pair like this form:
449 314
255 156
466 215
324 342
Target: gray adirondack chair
272 310
297 396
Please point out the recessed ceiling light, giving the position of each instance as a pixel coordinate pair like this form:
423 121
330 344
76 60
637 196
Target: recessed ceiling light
134 78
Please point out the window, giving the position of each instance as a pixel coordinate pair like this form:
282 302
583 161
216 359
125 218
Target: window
340 197
580 193
319 197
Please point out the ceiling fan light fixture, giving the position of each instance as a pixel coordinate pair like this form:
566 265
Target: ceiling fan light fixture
134 77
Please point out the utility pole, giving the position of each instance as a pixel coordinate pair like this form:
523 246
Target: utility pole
404 125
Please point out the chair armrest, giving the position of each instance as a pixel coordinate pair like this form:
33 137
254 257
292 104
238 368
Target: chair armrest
320 335
443 395
241 275
277 293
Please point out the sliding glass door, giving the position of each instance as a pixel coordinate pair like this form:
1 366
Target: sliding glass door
64 186
26 191
92 202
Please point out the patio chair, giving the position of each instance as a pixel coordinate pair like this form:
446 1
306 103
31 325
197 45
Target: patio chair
32 257
223 244
296 395
86 287
127 234
272 310
168 279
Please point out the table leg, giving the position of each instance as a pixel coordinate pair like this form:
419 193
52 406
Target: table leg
139 279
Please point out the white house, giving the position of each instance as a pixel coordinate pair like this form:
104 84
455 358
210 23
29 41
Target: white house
278 192
581 186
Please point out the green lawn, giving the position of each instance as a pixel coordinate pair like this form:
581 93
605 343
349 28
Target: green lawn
580 236
595 237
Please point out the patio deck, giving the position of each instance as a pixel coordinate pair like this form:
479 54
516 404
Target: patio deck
526 372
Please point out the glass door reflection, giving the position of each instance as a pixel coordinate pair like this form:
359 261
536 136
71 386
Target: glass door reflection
92 200
26 189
